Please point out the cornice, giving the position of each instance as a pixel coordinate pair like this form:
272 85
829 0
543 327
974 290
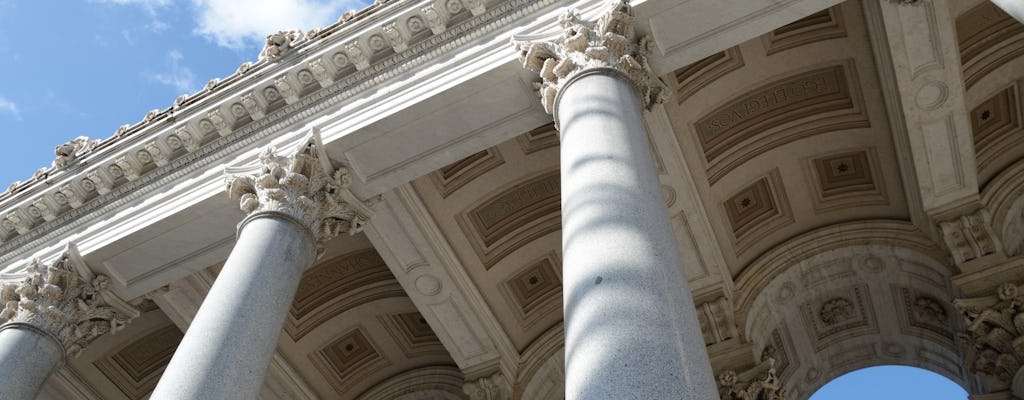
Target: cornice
205 129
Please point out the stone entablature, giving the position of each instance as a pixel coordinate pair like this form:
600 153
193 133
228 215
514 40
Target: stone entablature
65 300
310 73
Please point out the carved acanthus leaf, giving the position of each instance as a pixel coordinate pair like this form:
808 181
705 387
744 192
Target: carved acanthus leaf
491 387
970 236
305 186
278 44
994 328
609 42
758 383
68 153
66 300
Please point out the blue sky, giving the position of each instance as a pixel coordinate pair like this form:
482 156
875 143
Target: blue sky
84 67
890 383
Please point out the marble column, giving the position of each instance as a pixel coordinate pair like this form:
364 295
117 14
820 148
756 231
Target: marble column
1013 7
631 329
51 314
294 203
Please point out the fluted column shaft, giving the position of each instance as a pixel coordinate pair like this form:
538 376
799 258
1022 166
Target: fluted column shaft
631 329
227 348
27 357
295 203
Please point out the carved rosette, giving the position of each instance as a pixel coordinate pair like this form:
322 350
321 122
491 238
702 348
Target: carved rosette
487 388
582 45
994 327
66 300
758 383
304 186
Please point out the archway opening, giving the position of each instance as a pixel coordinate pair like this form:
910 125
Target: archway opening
890 382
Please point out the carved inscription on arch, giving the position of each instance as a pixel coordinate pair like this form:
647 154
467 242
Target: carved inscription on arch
516 216
822 100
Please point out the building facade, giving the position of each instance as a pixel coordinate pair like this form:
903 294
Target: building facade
544 199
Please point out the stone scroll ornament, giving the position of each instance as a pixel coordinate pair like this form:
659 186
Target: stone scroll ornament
758 383
581 45
305 186
995 331
65 299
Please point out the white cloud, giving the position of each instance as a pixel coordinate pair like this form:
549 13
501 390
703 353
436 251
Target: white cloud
179 77
9 106
230 24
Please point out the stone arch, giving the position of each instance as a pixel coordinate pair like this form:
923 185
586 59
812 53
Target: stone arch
541 374
1004 199
427 383
850 296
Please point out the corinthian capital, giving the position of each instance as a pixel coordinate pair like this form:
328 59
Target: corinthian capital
758 383
66 300
303 185
995 332
608 43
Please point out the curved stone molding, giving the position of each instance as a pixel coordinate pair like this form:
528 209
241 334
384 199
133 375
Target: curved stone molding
493 387
800 105
995 333
334 286
427 383
541 370
988 38
758 383
1004 197
454 176
66 300
892 233
135 368
582 45
823 25
304 186
694 77
517 215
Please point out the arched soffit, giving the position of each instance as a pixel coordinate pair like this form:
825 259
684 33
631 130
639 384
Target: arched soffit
365 345
1004 198
787 132
333 286
500 210
541 373
861 294
442 382
991 45
885 233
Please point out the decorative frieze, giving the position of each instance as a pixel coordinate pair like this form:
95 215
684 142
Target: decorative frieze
66 300
491 387
995 331
970 236
582 45
758 383
304 186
